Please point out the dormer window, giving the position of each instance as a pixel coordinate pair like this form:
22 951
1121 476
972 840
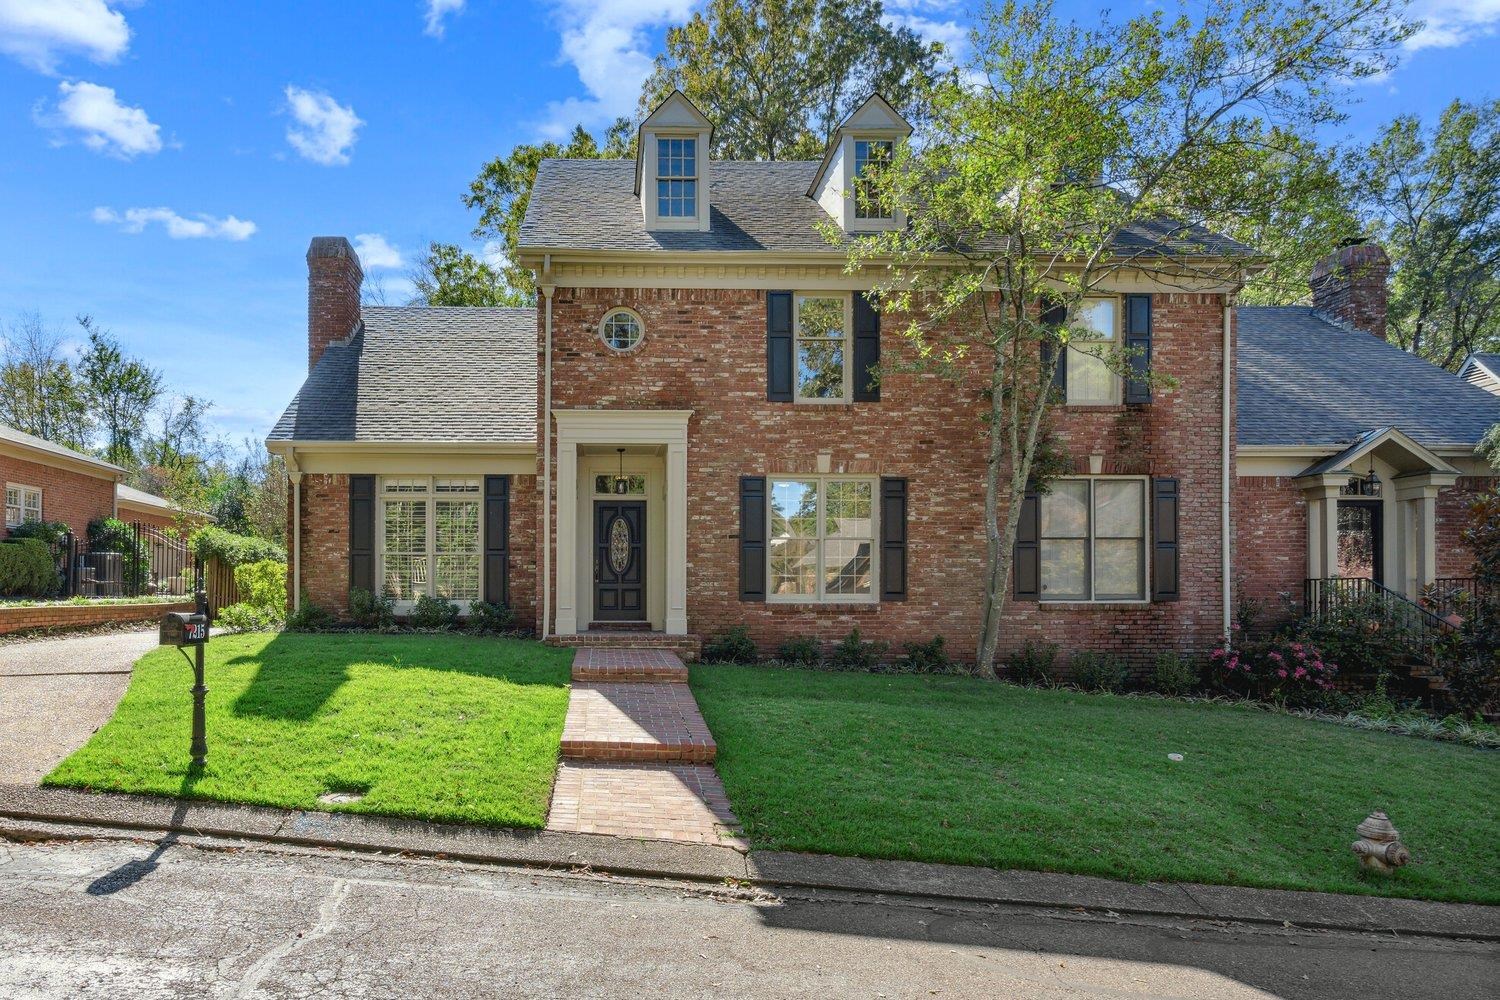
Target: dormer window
870 155
677 178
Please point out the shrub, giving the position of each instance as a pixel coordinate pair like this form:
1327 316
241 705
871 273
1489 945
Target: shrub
310 618
929 657
211 542
27 568
1469 659
1173 674
262 585
1098 671
801 652
1365 637
1033 664
854 653
244 617
434 614
734 646
53 533
488 618
110 534
1276 669
370 610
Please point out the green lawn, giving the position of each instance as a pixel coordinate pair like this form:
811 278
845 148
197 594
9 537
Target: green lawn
433 727
978 773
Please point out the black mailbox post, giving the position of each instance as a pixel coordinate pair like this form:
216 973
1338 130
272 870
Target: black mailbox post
183 629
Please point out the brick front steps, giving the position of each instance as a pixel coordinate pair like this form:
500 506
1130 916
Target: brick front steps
637 755
687 647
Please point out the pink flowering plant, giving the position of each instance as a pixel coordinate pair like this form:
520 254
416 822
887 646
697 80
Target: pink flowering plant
1277 669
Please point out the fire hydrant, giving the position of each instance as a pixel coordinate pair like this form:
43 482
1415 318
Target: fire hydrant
1379 845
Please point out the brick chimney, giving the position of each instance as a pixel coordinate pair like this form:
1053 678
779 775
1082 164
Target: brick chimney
1348 287
333 280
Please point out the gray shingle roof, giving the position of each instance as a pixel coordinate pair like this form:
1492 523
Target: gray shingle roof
423 374
1304 380
19 437
1489 362
754 206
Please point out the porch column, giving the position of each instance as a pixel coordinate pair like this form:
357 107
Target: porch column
1322 530
1417 494
676 623
566 535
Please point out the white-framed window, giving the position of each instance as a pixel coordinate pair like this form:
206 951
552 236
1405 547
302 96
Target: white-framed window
1095 336
22 504
820 324
1093 539
870 154
676 177
622 329
429 538
821 539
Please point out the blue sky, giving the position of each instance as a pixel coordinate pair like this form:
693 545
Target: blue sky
165 162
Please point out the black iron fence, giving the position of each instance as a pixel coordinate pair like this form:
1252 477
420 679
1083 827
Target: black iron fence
1360 600
1453 595
142 560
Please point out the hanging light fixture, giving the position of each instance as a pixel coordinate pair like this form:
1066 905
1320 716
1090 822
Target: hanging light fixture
622 481
1372 481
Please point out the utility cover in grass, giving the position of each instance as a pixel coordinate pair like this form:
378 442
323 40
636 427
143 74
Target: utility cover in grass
431 727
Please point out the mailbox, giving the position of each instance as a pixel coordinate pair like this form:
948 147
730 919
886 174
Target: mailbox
183 628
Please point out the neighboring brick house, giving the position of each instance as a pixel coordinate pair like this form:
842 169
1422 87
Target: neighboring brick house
47 482
682 436
139 507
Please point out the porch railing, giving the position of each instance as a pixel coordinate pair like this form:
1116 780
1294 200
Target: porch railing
1452 595
1359 599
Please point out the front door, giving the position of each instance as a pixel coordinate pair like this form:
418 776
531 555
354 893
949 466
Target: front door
619 560
1361 541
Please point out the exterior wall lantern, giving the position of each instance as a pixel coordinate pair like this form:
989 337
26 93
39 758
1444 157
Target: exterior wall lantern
622 481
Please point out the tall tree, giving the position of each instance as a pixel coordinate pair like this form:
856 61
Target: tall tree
1017 191
39 390
451 276
179 440
776 77
1432 196
120 390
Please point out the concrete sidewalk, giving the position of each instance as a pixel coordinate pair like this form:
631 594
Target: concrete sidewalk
770 869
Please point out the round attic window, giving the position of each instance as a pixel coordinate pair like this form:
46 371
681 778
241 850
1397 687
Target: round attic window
622 330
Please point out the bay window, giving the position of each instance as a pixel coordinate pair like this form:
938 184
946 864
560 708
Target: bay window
429 538
821 539
1093 540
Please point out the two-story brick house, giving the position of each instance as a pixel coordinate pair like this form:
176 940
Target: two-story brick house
684 434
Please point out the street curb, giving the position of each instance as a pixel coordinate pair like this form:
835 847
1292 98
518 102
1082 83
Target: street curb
707 863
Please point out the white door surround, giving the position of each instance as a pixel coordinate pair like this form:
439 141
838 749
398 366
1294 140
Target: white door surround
640 432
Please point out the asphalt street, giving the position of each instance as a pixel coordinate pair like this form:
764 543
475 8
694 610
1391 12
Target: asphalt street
123 918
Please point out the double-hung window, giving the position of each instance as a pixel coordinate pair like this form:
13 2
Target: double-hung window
870 155
430 541
1093 540
1090 379
22 504
822 539
676 178
822 333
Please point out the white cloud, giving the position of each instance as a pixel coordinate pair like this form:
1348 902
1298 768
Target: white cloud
1451 23
201 227
38 32
376 252
437 10
325 130
103 123
608 43
933 20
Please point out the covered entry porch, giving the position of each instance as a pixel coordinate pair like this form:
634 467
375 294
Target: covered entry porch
620 535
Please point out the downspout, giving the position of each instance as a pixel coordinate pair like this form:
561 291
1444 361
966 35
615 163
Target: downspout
547 452
294 475
1224 429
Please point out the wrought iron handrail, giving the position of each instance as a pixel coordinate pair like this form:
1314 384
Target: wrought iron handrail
1449 595
1417 628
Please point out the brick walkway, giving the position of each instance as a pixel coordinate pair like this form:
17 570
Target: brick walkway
637 753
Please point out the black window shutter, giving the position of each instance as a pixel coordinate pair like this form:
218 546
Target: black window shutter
752 538
1055 316
892 539
1027 560
1165 578
866 351
1138 343
362 533
779 347
497 539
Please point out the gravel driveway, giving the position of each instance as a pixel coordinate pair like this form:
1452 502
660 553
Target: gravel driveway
55 692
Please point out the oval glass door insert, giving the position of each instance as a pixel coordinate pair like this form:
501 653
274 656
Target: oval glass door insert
619 545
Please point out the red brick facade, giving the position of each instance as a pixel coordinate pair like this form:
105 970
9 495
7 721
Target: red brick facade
1454 556
1270 537
67 496
333 280
705 350
1349 286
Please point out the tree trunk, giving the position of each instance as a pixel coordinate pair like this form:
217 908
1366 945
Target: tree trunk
996 560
